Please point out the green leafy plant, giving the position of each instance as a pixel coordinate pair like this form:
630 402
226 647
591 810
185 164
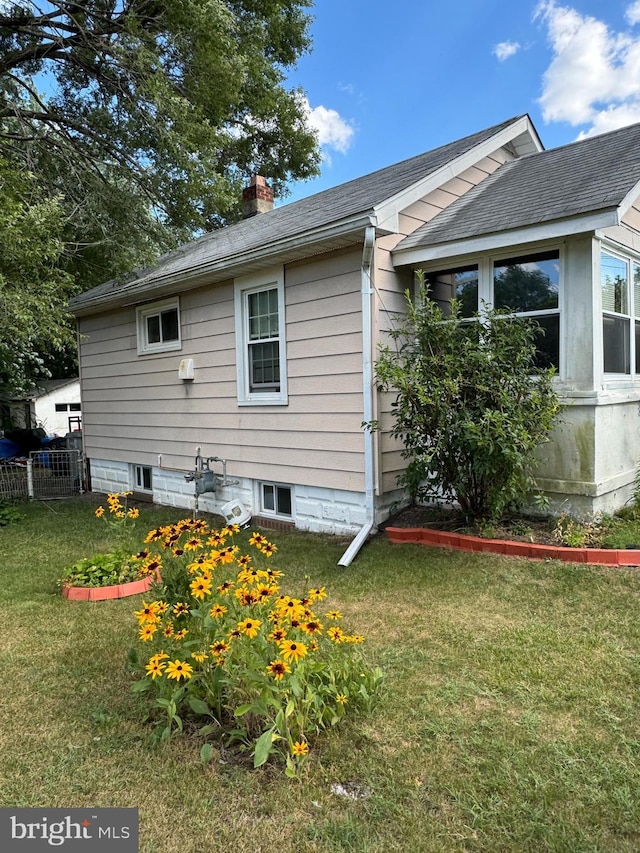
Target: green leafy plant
223 644
114 567
582 534
470 408
9 513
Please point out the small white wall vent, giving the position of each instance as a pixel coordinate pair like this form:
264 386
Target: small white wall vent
186 370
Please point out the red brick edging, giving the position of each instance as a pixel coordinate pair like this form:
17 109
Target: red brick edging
463 542
103 593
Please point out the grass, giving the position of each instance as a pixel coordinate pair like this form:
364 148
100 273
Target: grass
509 719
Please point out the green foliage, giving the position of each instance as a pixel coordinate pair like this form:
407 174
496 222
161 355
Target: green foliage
470 408
226 646
108 569
9 513
33 288
582 534
153 116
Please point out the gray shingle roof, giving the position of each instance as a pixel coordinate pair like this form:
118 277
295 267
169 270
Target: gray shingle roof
340 203
591 175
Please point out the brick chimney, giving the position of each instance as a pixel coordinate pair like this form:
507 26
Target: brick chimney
257 197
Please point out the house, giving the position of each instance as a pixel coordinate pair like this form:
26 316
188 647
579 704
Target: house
54 406
254 346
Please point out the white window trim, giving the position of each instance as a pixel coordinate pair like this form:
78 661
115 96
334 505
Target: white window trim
134 480
627 256
145 311
271 513
242 288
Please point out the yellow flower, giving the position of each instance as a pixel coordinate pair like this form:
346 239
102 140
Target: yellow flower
200 587
148 613
219 648
312 627
300 748
278 669
134 512
167 631
199 656
179 669
341 698
141 555
257 539
147 631
268 549
120 514
318 593
335 634
333 614
99 512
180 609
181 634
277 635
154 668
224 588
217 611
249 627
292 651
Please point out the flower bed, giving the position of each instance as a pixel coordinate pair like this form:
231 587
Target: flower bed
531 550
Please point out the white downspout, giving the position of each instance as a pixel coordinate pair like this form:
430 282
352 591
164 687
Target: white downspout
367 393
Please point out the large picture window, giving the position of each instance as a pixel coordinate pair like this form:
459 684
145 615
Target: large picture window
260 340
529 287
460 284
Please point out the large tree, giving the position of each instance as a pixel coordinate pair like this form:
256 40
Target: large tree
145 117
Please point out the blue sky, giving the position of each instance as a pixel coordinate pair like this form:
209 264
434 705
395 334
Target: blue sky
388 80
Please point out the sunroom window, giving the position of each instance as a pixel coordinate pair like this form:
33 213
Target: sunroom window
528 286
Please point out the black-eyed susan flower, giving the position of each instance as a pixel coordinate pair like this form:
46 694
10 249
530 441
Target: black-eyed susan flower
216 539
233 635
181 634
257 539
278 669
167 631
336 634
249 627
333 614
200 587
312 627
154 668
161 607
147 613
268 549
134 512
99 512
273 574
318 593
192 544
278 635
179 669
177 552
227 555
199 656
154 535
299 748
341 699
181 608
142 555
292 651
219 648
243 561
224 588
217 611
147 631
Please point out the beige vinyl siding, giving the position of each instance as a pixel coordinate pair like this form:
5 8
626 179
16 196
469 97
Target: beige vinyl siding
632 216
137 408
391 285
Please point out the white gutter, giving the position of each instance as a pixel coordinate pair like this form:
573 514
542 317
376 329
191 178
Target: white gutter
367 394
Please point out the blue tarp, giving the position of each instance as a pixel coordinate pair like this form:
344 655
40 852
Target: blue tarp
8 448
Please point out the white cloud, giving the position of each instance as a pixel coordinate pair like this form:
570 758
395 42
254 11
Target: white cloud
505 49
333 131
594 75
632 13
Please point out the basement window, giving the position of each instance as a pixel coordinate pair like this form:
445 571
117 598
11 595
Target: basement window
275 500
142 478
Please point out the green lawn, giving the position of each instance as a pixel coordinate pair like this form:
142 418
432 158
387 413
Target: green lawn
509 719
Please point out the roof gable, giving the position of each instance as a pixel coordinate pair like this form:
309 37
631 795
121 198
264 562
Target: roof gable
594 176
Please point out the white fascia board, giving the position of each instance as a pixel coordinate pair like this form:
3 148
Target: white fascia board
389 210
487 242
188 277
628 200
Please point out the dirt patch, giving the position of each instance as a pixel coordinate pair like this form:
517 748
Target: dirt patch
538 531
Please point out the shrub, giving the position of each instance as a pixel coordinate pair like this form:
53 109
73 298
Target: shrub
470 407
220 641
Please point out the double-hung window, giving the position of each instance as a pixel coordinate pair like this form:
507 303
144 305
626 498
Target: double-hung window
620 288
158 327
260 339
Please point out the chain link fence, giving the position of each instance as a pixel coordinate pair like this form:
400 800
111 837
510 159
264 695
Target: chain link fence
43 475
